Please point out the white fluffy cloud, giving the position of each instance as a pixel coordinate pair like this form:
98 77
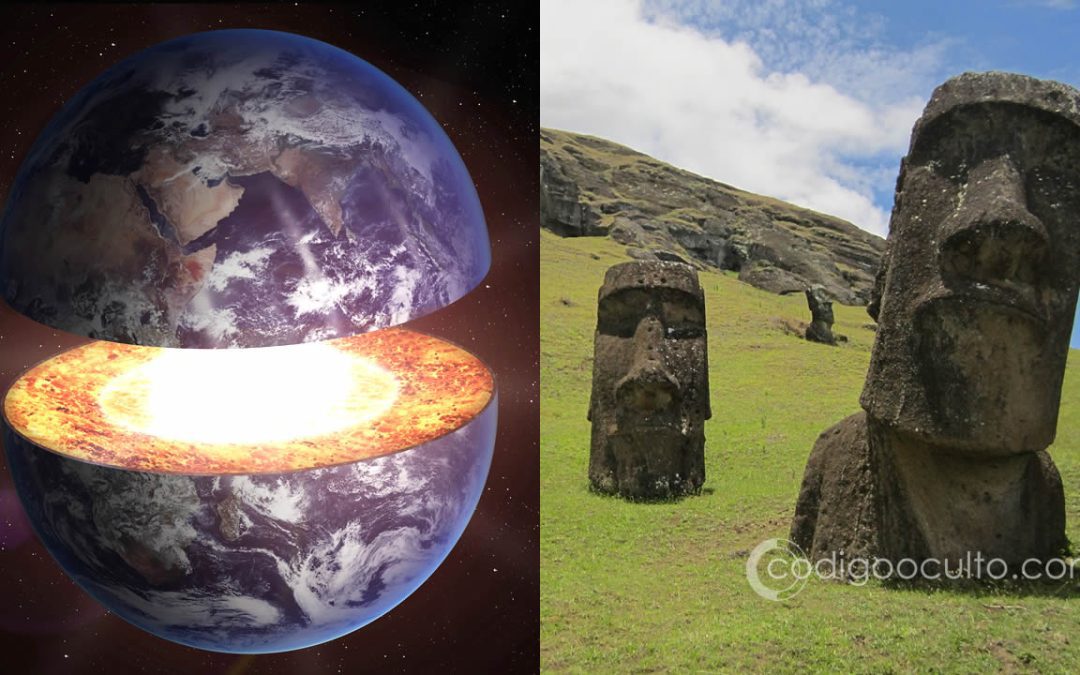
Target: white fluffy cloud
821 123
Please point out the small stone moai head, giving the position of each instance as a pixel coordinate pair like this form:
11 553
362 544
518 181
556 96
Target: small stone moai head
979 282
821 315
650 391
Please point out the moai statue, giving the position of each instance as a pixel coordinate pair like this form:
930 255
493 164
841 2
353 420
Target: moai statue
820 328
974 303
650 391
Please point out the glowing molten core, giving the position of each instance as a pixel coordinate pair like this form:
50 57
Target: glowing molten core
168 397
262 410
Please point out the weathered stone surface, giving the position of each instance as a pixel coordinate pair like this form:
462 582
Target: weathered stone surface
770 278
561 208
983 267
650 391
945 505
820 328
668 256
974 303
868 492
593 186
837 507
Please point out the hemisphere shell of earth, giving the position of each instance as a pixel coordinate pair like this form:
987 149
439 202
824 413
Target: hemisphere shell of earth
256 563
240 188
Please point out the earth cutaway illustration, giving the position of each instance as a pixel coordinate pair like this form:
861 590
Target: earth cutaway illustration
200 210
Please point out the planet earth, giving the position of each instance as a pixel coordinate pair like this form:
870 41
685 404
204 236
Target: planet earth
237 189
240 188
255 563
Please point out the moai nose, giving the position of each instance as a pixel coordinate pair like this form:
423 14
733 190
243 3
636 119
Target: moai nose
648 386
992 237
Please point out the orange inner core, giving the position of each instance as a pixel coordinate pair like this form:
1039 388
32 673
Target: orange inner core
264 410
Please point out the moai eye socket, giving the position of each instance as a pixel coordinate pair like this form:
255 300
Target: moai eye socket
620 313
683 332
682 317
680 313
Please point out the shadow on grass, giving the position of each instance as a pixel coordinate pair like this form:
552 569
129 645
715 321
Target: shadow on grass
1057 577
670 499
995 589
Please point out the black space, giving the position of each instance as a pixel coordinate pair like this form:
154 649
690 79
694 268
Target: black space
475 68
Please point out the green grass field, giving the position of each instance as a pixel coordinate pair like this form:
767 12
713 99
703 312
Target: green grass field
662 587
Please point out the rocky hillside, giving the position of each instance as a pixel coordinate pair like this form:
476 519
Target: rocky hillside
593 187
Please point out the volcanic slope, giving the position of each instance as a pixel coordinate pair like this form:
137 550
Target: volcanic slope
590 186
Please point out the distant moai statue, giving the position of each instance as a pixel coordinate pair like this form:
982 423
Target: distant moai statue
650 389
821 314
975 303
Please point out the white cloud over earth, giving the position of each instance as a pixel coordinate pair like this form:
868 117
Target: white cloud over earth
796 99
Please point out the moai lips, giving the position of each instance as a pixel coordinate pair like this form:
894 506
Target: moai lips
650 395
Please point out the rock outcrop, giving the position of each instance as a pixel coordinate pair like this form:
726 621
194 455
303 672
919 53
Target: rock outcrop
593 187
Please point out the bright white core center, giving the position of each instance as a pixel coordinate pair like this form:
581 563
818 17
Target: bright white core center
249 396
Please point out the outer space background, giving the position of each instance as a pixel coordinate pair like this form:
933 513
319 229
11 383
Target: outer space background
475 69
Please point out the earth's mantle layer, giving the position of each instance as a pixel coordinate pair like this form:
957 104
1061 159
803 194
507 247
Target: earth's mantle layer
69 404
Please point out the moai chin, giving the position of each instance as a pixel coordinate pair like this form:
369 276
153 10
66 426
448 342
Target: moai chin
650 389
974 303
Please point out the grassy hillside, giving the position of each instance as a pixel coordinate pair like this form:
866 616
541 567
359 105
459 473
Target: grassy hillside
590 185
647 587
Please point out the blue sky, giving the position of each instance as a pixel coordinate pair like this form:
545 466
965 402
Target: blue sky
1037 38
811 101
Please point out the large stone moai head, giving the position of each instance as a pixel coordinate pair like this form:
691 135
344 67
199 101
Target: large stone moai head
979 283
650 392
